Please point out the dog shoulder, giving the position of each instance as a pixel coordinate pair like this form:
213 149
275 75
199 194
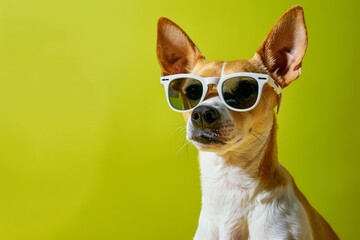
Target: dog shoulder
321 229
279 214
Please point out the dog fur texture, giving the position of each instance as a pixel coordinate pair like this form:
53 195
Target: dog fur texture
246 193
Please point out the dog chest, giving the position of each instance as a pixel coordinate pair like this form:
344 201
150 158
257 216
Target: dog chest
229 202
226 190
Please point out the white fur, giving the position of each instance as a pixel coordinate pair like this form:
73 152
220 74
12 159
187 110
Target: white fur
246 194
229 196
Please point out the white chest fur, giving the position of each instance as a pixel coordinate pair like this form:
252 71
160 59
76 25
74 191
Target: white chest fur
233 207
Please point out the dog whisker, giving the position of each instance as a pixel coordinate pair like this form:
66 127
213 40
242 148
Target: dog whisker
178 129
258 135
258 138
257 132
252 149
182 147
180 133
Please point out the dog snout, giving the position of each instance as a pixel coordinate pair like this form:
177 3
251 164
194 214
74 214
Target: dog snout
205 117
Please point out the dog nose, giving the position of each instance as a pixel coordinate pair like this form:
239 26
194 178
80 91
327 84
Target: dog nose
205 116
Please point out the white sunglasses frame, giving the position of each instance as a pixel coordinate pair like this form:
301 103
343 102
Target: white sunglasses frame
206 81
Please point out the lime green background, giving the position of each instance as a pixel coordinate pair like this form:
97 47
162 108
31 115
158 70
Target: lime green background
89 148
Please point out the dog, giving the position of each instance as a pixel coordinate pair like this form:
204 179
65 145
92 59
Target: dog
229 112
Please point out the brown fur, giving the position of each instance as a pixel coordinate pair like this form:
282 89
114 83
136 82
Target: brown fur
280 56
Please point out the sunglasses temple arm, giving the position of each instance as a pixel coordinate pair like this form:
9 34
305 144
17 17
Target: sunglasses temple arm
278 91
279 98
274 84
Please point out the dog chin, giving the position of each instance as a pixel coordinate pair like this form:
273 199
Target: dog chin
209 147
207 144
217 145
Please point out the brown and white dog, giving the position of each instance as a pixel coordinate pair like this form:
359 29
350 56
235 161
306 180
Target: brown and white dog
246 193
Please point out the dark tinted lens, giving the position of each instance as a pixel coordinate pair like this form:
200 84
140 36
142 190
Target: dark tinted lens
240 92
185 93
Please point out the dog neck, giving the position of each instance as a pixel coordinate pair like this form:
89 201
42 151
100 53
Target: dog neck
251 165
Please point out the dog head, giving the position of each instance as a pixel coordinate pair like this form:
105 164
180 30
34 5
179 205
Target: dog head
212 126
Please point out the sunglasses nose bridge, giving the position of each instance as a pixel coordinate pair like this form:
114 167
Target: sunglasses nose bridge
211 85
212 80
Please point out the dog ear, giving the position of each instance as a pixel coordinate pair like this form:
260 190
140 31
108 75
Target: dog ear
283 49
175 51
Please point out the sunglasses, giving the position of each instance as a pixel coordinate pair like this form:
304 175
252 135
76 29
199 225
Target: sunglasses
240 91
